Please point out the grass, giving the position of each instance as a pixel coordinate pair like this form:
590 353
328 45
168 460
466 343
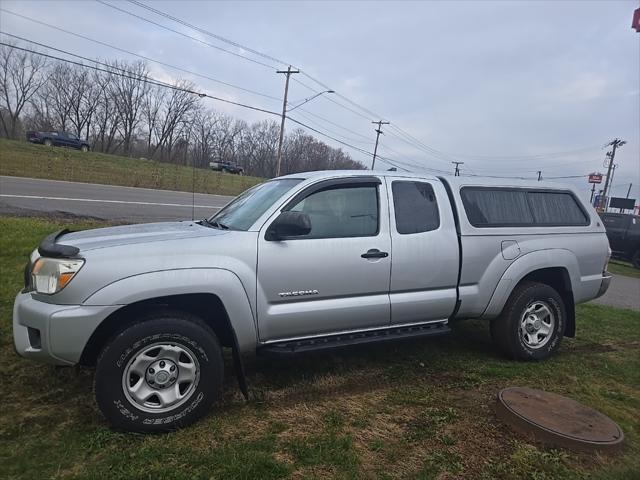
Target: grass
415 410
22 159
620 267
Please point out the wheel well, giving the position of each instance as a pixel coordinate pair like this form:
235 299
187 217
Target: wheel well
206 306
558 278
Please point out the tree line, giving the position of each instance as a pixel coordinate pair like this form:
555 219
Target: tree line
119 112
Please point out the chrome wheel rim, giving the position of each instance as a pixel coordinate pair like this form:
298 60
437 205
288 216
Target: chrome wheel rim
537 324
161 377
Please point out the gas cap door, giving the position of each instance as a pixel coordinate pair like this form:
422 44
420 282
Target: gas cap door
510 249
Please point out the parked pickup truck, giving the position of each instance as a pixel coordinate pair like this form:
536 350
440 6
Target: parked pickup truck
306 262
58 139
623 232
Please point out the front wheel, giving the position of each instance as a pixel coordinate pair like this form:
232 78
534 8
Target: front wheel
635 260
532 323
47 143
160 374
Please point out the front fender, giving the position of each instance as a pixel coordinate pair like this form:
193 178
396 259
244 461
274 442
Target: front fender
220 282
526 264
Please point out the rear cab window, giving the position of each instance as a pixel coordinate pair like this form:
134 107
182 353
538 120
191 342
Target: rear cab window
521 207
415 207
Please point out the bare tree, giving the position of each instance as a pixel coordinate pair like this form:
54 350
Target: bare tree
21 75
83 101
106 118
177 107
127 94
125 114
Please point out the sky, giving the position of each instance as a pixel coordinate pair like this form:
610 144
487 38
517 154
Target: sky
507 87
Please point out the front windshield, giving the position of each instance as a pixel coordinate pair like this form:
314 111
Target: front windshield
245 209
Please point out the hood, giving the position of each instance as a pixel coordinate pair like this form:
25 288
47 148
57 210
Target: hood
135 234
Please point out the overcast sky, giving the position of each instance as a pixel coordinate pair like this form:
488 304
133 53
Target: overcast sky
498 85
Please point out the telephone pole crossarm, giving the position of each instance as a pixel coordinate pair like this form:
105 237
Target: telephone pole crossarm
456 173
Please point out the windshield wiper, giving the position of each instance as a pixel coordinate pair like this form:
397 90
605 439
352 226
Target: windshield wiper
221 226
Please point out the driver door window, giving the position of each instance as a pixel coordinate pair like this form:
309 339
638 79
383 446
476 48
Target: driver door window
341 212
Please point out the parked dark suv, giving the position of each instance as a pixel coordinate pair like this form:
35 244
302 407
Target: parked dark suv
623 232
58 139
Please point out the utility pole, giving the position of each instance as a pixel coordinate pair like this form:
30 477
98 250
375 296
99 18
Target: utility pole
539 175
457 171
378 132
288 73
611 155
628 193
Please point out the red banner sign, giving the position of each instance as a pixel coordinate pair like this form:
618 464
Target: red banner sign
595 178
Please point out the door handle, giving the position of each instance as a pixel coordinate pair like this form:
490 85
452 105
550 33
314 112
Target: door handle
374 253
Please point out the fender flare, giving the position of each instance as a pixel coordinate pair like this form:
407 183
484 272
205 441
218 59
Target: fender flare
523 266
221 282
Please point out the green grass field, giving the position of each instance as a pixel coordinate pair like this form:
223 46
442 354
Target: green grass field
22 159
416 410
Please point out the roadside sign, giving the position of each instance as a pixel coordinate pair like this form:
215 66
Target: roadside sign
595 178
623 203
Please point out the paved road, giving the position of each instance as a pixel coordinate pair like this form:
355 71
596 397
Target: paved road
128 204
624 292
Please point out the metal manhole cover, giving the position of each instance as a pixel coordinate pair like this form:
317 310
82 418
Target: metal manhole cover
557 420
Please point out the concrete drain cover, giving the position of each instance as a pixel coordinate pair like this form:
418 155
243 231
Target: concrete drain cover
557 420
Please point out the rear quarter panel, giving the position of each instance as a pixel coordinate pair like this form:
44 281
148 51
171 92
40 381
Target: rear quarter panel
488 276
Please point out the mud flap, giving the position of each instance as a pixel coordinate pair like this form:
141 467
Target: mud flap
238 366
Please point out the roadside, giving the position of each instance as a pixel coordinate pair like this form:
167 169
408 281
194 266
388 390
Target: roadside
620 267
22 159
624 292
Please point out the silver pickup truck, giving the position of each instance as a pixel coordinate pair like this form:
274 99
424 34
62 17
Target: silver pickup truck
306 262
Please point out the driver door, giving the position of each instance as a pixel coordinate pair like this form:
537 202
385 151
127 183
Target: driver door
321 283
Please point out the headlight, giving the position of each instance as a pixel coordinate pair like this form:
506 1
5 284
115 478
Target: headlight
50 275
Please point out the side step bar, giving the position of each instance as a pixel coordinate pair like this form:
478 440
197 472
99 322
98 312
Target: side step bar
357 338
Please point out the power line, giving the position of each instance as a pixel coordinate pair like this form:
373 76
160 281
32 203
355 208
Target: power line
99 42
144 19
141 78
306 116
364 138
206 32
369 114
152 81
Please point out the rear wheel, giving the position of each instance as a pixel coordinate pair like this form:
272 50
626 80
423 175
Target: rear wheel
635 260
47 142
532 323
160 374
84 148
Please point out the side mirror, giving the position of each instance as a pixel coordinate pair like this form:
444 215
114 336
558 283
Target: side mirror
289 224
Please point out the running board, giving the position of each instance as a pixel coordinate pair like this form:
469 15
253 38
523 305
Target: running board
357 338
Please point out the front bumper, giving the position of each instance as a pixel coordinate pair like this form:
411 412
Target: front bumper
51 333
604 285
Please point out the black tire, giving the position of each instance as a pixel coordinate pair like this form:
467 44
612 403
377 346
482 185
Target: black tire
47 143
174 330
506 329
635 260
84 148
